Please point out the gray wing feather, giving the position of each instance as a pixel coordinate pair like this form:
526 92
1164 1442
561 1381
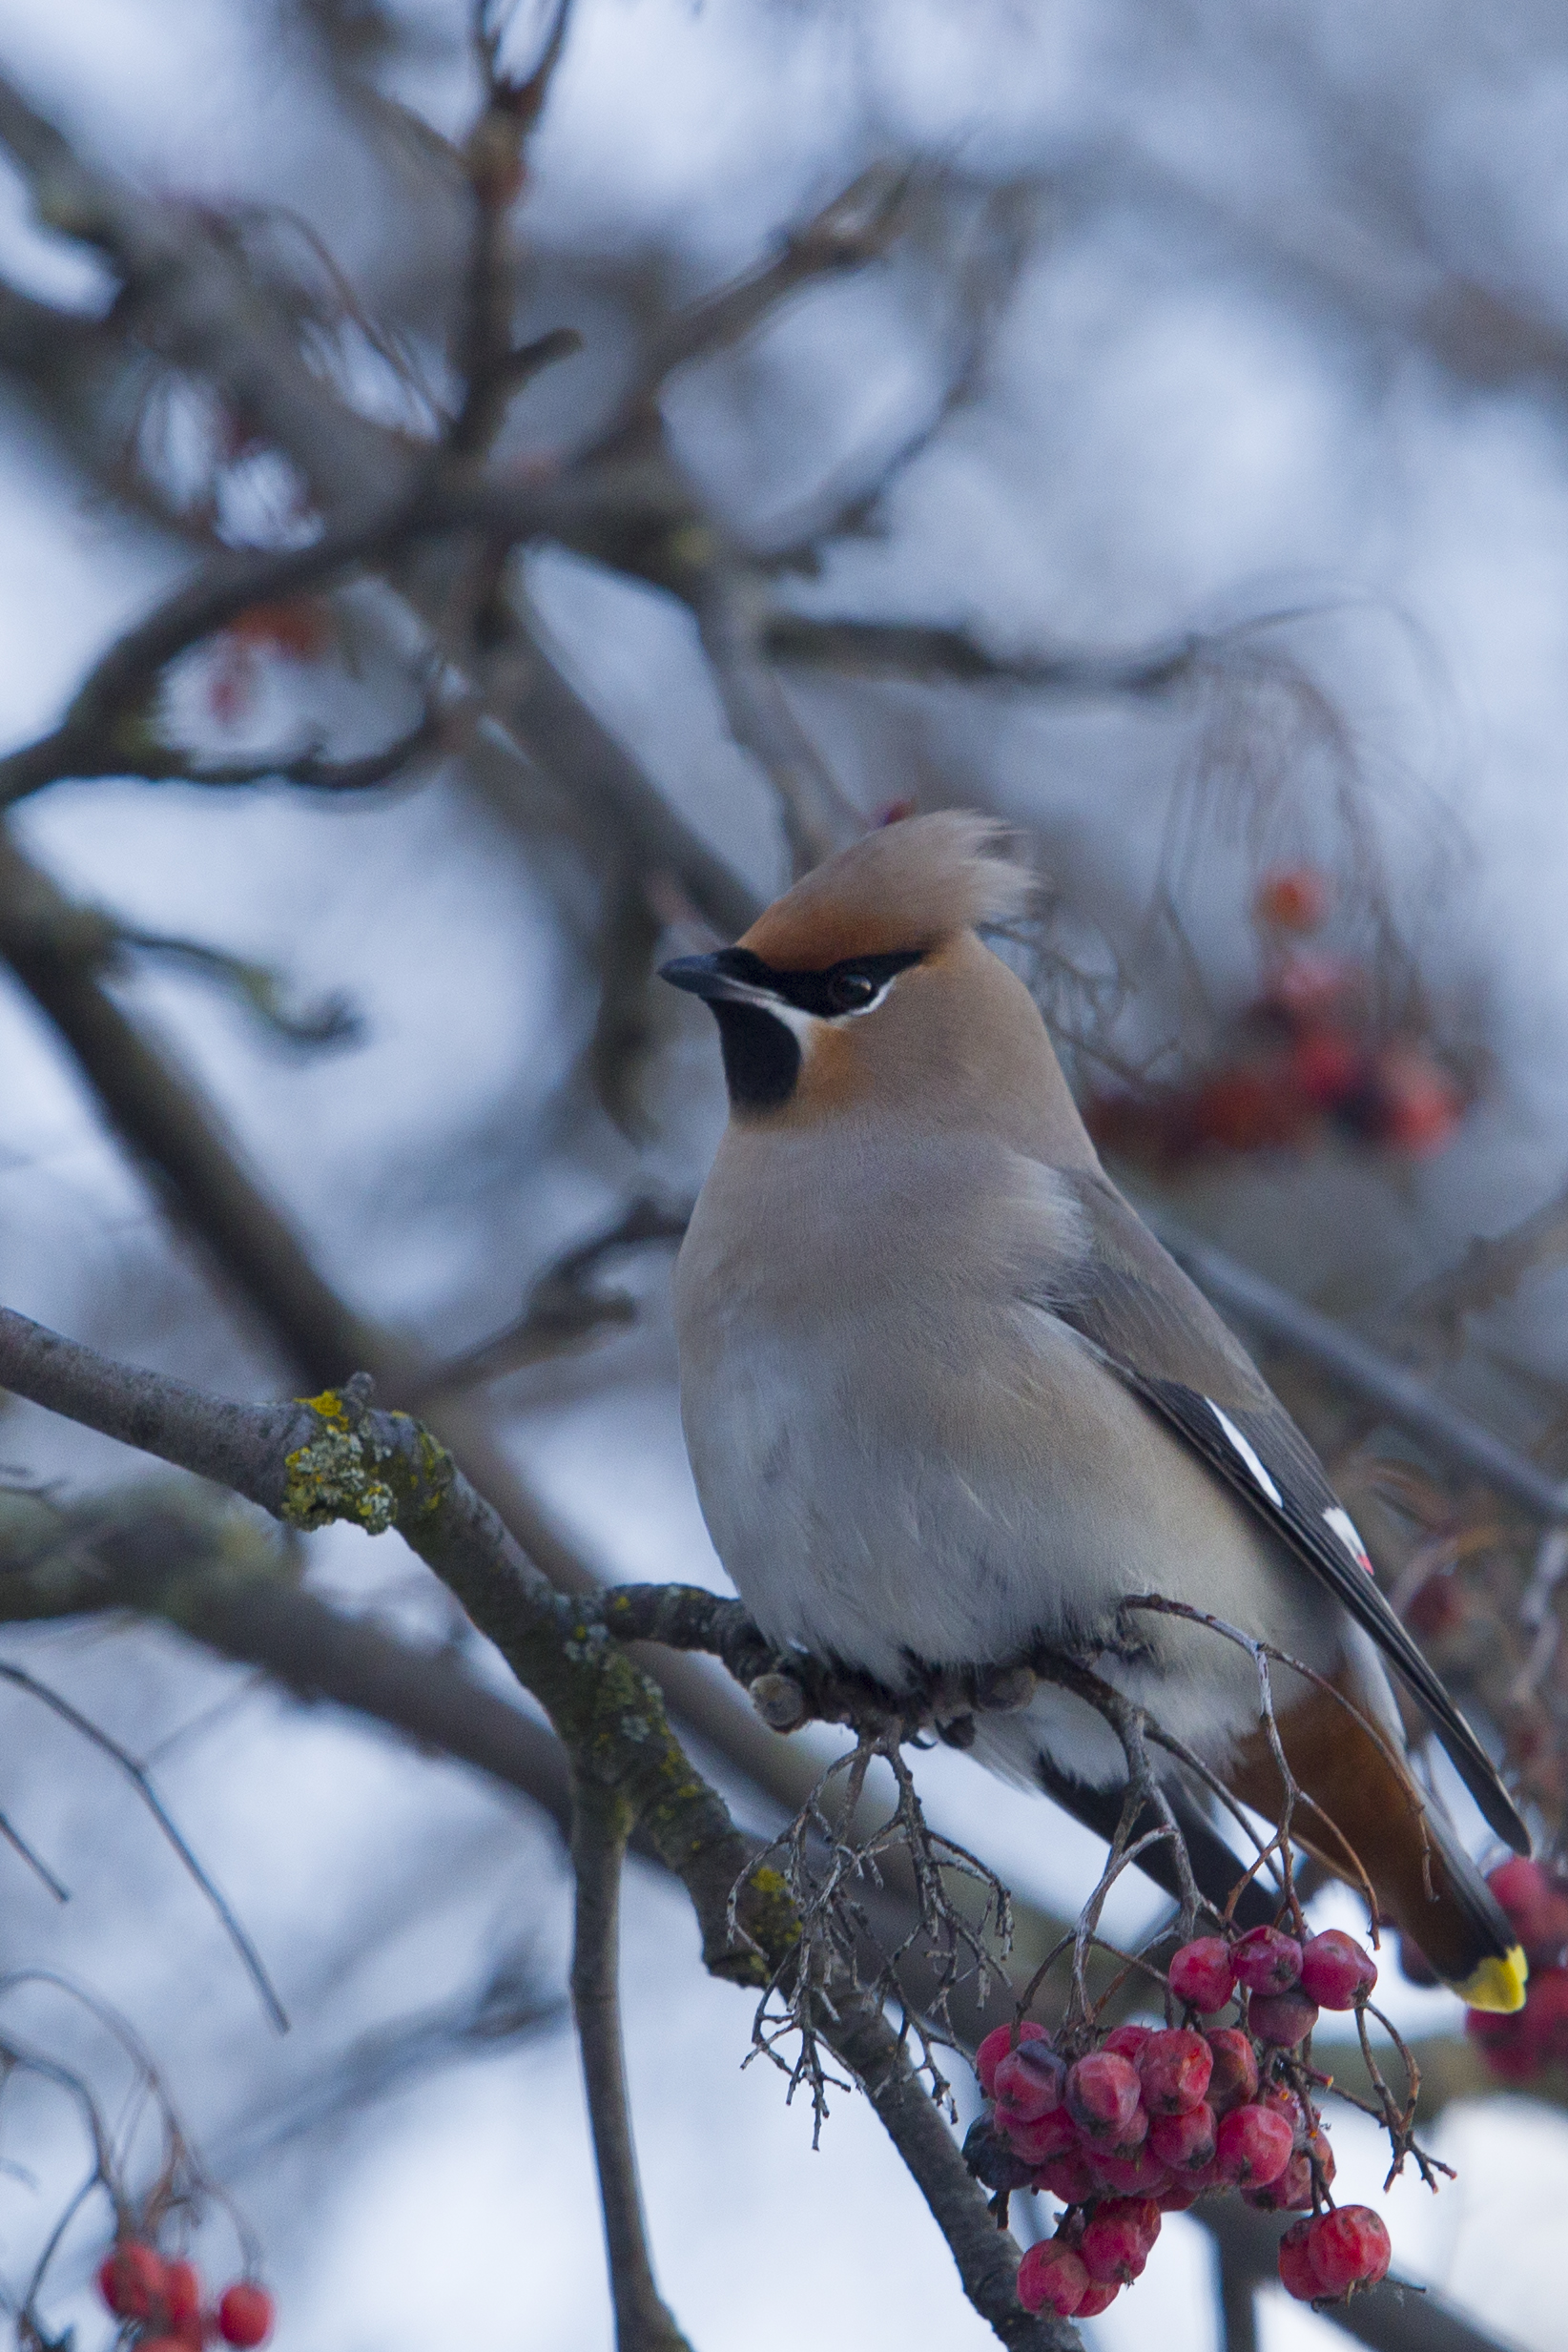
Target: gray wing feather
1158 1331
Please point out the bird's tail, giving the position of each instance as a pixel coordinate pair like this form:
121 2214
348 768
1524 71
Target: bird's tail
1367 1821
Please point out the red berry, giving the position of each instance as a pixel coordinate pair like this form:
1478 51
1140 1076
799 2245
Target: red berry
1295 2269
1292 2191
995 2048
1139 2175
992 2159
1348 2248
1511 2045
1174 2069
1096 2299
1251 2147
1244 1110
1537 1907
1125 2041
1235 2076
1184 2142
1335 1970
245 2313
182 2292
1309 986
1119 2238
1546 2006
1282 2018
1179 2199
1327 1068
1029 2081
131 2279
1293 898
1200 1972
1052 2275
164 2343
1266 1961
1415 1105
1103 2095
1048 2137
1281 2100
1067 2176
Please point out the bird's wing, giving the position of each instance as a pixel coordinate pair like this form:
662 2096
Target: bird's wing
1157 1331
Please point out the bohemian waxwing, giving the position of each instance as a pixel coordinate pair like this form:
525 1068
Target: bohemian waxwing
947 1400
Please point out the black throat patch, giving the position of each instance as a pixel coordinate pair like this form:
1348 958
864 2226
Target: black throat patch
761 1052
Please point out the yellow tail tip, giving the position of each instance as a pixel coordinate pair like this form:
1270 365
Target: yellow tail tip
1498 1984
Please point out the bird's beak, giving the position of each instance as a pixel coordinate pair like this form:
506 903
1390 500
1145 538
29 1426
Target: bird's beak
709 976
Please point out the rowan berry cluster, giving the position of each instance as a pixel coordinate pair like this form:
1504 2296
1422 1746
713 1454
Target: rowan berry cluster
1519 2048
1307 1055
1140 2122
164 2304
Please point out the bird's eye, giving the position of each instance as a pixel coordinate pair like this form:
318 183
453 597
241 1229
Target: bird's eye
848 990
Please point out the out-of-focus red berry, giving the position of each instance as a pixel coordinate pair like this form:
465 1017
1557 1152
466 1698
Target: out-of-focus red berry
1436 1608
1546 2006
1125 2041
1348 2248
182 2292
1096 2299
1293 898
1251 2147
1296 2274
1537 1907
1415 1106
1068 2176
996 2046
245 2313
1247 1109
1335 1968
1310 987
1031 2080
1200 1973
1184 2142
131 2279
1104 2095
1052 2277
1174 2067
164 2343
1510 2044
1327 1068
1282 2018
1048 2135
1266 1960
300 628
1119 2238
1234 2079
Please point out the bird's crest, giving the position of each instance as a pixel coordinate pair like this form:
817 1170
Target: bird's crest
907 885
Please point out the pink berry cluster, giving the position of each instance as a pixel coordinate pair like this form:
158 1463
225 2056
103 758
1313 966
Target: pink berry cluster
1146 2122
163 2301
1519 2047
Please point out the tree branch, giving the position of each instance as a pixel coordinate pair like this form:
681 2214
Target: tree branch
335 1457
599 1831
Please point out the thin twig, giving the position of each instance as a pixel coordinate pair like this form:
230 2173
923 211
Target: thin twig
142 1783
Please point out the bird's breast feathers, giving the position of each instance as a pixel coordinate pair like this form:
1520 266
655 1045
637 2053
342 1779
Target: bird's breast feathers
940 1467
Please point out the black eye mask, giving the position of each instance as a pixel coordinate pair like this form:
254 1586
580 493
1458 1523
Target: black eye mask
847 987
